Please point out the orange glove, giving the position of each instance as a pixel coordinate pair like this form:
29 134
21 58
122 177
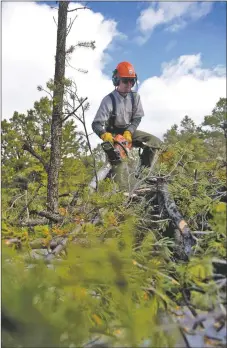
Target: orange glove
128 136
107 137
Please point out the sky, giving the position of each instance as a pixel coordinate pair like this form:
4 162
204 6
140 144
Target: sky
178 50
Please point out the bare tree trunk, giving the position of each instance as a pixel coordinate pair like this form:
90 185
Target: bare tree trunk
56 125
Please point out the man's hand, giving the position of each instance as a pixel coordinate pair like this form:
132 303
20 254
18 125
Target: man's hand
107 137
128 136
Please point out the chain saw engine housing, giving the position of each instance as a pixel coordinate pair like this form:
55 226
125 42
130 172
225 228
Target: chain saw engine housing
117 151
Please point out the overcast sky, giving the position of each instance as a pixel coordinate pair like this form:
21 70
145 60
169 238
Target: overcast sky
178 50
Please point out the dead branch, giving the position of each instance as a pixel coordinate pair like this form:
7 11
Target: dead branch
203 232
224 262
70 25
30 201
59 248
80 70
73 112
178 220
179 163
15 202
90 149
54 18
65 194
79 8
35 222
62 245
38 243
49 215
13 242
190 307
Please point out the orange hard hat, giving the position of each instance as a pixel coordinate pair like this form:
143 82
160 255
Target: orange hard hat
125 69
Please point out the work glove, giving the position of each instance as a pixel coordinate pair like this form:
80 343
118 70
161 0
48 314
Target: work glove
128 136
107 137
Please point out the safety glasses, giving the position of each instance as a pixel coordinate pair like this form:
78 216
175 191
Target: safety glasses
126 80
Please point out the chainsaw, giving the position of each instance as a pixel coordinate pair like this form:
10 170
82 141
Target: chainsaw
116 153
118 150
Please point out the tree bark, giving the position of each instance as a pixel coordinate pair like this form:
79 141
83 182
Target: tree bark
56 124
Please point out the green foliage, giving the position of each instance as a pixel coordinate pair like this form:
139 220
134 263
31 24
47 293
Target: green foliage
75 300
25 157
195 165
123 278
218 117
213 129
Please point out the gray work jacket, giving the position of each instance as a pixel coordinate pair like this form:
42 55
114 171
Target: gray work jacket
126 118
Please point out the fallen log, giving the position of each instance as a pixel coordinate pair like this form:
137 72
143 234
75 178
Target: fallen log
34 222
63 244
178 220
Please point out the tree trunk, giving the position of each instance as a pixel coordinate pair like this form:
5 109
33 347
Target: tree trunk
56 125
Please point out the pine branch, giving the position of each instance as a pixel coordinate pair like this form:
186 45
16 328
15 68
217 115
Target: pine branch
28 147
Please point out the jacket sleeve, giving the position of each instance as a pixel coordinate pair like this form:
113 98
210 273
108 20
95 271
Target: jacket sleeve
138 113
102 116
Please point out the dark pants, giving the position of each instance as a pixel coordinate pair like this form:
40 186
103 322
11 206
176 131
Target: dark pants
147 138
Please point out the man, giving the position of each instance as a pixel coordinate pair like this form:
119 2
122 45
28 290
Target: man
120 112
